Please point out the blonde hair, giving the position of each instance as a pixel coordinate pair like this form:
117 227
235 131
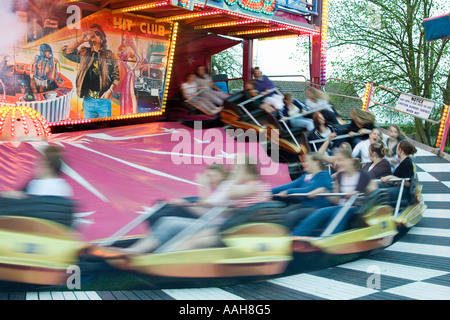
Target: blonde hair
401 134
345 145
318 94
362 117
318 157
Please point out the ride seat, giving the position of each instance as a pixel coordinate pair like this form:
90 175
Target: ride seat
53 208
262 212
362 214
231 103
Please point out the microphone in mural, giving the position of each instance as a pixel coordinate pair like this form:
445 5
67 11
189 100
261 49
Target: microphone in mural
98 72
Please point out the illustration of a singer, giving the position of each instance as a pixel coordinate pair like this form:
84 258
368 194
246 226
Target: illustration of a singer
98 72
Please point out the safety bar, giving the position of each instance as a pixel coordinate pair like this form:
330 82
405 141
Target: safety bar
342 136
323 194
132 224
400 193
311 111
241 105
290 132
194 227
339 216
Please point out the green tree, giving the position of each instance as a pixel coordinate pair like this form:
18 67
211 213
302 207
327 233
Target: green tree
229 62
384 41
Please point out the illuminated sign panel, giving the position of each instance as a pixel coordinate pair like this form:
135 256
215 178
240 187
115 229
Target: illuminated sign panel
263 9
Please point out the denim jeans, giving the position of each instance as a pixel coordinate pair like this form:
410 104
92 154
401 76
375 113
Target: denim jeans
167 227
96 108
321 218
302 123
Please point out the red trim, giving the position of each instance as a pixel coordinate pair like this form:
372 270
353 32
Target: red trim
437 17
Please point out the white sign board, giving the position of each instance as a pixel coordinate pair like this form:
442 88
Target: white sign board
416 106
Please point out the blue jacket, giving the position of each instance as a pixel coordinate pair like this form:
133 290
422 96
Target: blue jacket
321 179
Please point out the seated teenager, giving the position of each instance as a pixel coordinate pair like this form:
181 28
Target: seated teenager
316 176
47 196
264 85
293 108
350 180
212 189
48 180
324 150
209 90
405 169
378 167
362 121
318 100
191 93
245 188
394 136
250 92
322 130
361 150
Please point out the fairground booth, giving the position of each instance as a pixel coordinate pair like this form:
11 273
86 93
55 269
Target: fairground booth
101 64
147 48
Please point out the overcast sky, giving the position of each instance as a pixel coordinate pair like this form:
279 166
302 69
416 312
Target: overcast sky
274 57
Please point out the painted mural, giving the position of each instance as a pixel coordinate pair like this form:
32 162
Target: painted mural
103 65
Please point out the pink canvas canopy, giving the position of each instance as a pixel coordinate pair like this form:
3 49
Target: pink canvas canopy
118 173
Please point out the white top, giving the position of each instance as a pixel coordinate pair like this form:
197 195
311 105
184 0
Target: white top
293 111
49 187
190 89
325 134
204 82
362 150
348 184
319 104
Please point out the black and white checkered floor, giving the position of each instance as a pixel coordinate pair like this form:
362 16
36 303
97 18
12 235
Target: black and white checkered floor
417 267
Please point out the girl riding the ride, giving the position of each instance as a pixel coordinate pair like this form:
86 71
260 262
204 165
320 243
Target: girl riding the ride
362 121
406 169
244 189
319 101
209 90
379 167
361 150
394 136
316 177
322 130
350 180
191 92
292 111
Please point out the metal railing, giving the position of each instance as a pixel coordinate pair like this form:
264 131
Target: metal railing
370 97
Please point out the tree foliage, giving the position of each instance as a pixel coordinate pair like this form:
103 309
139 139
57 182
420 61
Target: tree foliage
229 62
384 41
